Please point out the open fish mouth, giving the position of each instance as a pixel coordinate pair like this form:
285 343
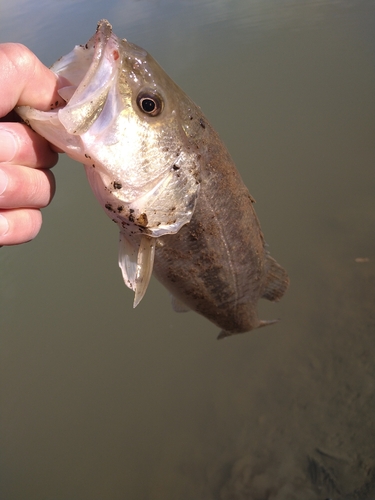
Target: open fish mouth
85 78
87 74
89 77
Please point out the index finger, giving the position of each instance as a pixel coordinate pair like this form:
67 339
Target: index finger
24 80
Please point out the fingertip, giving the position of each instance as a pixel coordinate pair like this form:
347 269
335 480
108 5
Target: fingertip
4 226
23 225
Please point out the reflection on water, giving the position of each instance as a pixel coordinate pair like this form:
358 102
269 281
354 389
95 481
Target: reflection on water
102 401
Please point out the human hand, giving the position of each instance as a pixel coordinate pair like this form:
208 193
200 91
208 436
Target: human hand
26 183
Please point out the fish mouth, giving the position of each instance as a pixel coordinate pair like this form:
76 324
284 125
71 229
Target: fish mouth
86 76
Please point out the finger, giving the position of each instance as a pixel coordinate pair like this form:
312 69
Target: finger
25 187
19 226
24 80
20 145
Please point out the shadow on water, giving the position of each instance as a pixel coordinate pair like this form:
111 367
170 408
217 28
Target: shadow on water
102 401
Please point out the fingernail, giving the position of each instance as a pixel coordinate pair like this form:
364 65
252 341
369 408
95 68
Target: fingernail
4 225
3 181
8 145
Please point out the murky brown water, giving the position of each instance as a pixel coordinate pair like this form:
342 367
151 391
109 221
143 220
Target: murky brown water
100 401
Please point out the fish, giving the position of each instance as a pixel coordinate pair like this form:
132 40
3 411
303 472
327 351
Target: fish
162 174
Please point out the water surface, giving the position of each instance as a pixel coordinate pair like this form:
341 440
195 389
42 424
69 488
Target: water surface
102 401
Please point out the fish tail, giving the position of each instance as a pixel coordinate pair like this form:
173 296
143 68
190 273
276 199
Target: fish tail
277 281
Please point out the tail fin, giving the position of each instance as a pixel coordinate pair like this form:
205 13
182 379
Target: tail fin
277 280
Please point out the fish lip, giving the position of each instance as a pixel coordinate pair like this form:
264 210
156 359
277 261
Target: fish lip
104 28
101 39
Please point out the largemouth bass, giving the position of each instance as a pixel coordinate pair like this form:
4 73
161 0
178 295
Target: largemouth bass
163 175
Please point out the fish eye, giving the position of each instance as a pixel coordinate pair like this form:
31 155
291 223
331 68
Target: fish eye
150 103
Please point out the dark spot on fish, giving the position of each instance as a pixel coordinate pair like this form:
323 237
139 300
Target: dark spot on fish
86 46
117 185
196 232
190 117
142 220
158 223
55 104
175 167
120 208
109 207
93 165
201 123
173 208
131 217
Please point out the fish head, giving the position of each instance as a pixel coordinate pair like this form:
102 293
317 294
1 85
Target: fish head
115 90
125 120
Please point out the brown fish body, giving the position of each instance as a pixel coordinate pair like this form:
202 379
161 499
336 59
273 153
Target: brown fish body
217 264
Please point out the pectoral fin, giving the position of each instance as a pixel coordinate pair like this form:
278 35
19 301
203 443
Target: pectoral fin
136 261
145 264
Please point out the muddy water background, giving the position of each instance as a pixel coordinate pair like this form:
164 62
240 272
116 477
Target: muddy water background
100 401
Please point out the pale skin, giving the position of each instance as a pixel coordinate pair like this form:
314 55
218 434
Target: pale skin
26 183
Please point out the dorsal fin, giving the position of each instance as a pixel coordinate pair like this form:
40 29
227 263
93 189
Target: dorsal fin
277 280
